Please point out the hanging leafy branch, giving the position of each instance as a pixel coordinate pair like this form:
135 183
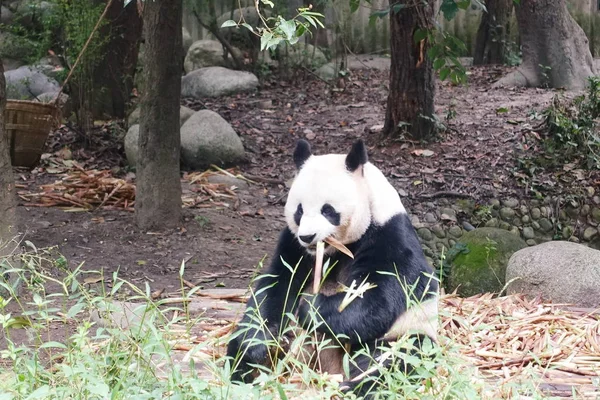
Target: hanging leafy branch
445 48
277 29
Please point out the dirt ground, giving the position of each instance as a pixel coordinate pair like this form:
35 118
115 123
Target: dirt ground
475 157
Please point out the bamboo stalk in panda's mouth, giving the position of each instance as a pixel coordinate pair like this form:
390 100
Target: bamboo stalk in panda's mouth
321 254
318 266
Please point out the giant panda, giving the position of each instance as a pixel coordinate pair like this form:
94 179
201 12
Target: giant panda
348 198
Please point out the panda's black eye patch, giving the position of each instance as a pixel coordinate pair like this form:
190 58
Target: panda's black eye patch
298 214
331 214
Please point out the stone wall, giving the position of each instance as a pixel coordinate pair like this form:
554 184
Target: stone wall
536 221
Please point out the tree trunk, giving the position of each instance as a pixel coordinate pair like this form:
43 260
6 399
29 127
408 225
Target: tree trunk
158 195
113 77
8 208
412 82
555 49
492 35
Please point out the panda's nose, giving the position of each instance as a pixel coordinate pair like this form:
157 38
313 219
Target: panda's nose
307 238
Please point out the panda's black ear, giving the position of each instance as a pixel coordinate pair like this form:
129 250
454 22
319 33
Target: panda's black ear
301 153
357 156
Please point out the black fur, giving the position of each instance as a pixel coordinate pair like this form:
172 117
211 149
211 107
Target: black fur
357 156
393 247
331 214
301 153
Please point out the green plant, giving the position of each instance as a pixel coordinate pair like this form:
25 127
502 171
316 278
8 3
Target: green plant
572 128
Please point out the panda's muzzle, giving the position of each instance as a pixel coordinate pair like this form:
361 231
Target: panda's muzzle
307 239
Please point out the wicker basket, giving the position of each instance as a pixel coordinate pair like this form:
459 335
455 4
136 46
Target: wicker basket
28 124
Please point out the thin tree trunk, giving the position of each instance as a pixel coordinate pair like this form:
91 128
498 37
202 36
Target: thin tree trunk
492 35
556 52
158 195
113 77
8 208
410 105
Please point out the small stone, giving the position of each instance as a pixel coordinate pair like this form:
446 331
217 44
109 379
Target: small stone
567 232
467 226
45 224
428 252
523 209
438 231
536 213
492 223
517 221
546 225
507 213
525 219
441 247
495 203
515 231
309 134
585 210
536 225
534 203
504 225
596 214
448 214
376 129
511 203
425 234
573 212
589 233
590 191
528 233
545 211
562 215
455 231
574 239
414 220
451 242
531 242
596 199
430 218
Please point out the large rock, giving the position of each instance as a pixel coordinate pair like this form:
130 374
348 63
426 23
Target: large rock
558 271
6 16
481 259
301 55
217 81
184 114
186 39
131 144
206 138
26 83
206 53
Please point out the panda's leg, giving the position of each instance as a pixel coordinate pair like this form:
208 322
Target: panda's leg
366 369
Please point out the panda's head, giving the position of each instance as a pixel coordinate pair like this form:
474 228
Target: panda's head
336 195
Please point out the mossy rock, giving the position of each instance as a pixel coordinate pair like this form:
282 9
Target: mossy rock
480 266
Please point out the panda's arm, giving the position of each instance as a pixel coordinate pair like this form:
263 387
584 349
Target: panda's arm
364 319
275 294
277 291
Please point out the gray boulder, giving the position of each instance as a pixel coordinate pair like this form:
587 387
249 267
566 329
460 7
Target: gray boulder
184 114
206 53
131 144
26 83
206 138
6 16
301 55
187 40
217 81
327 72
558 271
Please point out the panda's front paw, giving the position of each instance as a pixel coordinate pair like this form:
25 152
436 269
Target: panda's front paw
243 356
308 312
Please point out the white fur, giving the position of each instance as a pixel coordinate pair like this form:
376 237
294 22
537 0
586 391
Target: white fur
419 318
361 197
